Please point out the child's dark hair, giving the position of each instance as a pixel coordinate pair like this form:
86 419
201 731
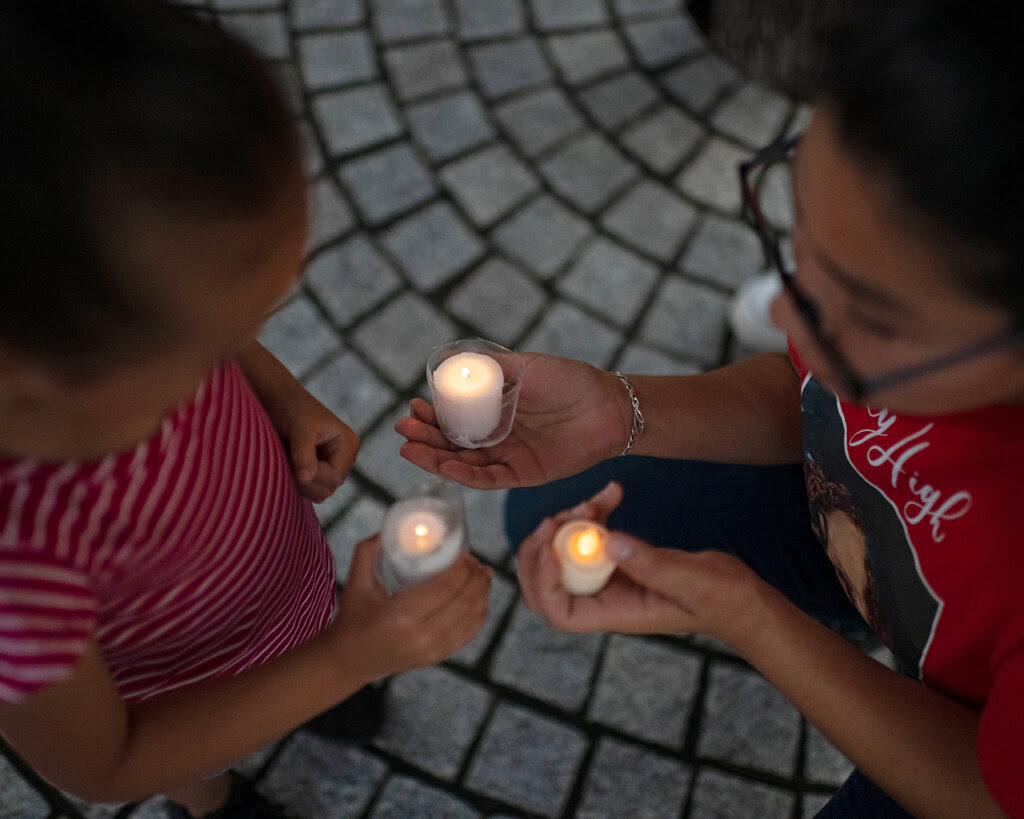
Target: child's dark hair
106 104
927 93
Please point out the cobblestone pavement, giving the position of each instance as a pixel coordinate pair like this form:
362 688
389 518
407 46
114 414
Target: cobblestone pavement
559 176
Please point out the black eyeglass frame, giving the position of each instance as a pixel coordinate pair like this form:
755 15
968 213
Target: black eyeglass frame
856 387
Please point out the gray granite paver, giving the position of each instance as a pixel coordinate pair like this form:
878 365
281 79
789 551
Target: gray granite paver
404 796
567 331
526 760
329 510
308 14
314 777
628 780
711 178
553 666
424 68
643 360
560 14
378 461
330 215
360 522
356 118
299 336
400 336
539 119
686 319
408 19
498 301
718 795
748 722
351 279
588 172
629 8
433 245
822 762
610 280
543 235
432 717
330 59
753 115
489 183
586 55
700 82
484 19
450 125
724 251
646 689
617 100
266 32
503 592
17 797
350 390
661 140
651 218
664 40
388 182
503 67
484 517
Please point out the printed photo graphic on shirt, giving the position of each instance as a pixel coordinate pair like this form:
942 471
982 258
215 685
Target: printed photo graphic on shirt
865 536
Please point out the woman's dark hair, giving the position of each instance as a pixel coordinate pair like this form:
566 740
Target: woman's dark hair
106 104
927 93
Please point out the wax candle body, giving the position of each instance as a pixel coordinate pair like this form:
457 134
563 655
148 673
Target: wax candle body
586 567
420 537
467 396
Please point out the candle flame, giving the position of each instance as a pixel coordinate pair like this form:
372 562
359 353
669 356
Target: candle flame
588 542
464 372
421 530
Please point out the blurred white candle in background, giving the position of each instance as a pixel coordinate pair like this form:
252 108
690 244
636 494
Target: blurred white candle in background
467 396
586 567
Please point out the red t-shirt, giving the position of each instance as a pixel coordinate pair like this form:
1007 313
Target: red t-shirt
920 517
189 558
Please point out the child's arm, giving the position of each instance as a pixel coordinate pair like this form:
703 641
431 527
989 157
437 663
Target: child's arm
322 448
916 744
81 735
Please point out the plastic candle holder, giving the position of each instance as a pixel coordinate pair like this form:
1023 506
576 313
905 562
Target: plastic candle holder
421 535
586 567
474 386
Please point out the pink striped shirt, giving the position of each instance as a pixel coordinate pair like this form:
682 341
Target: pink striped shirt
188 558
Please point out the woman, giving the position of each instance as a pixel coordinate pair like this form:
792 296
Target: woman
904 313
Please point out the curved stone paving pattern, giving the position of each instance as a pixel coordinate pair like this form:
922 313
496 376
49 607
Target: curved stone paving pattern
555 175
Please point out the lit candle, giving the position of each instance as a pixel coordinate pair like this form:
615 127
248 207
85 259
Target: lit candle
467 397
420 537
586 567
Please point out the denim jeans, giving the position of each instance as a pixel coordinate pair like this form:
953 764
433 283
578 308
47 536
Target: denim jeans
758 513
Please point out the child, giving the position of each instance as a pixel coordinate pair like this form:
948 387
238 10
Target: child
904 386
167 597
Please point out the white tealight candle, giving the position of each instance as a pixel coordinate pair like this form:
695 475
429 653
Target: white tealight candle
586 567
467 396
420 537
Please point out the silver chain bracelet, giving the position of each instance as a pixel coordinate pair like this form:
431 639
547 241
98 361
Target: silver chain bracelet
638 416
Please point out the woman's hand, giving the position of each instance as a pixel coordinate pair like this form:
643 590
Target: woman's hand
417 627
570 416
652 590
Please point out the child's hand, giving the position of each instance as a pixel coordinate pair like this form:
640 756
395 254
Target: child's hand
570 416
652 590
321 447
417 627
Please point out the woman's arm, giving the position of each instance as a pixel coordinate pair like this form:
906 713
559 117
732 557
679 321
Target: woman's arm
572 415
81 735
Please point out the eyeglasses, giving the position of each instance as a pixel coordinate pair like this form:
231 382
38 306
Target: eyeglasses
769 167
